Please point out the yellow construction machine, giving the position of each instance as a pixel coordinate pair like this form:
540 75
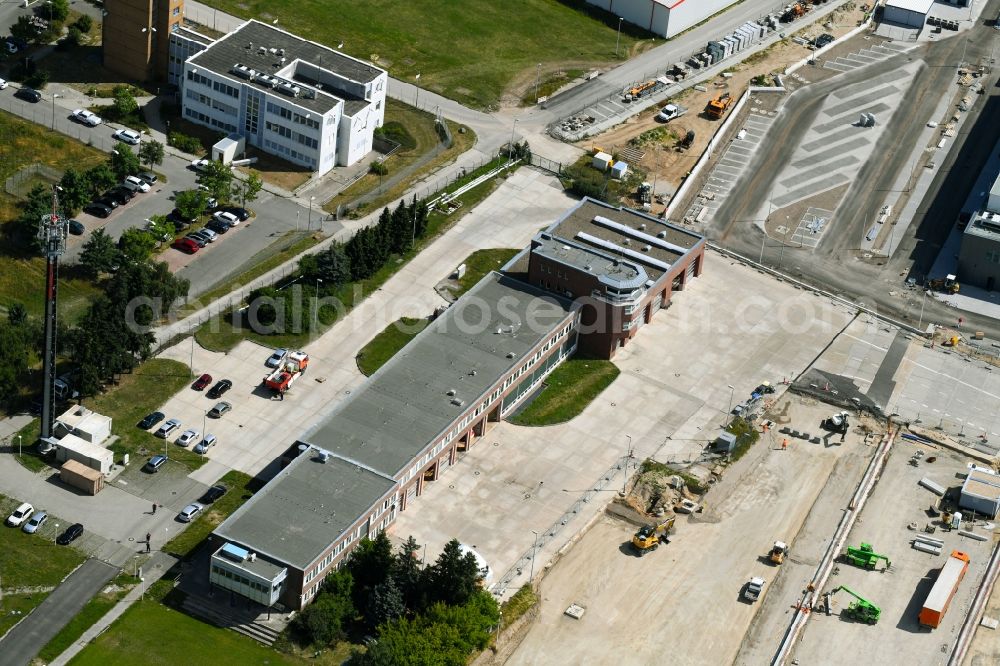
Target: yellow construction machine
649 537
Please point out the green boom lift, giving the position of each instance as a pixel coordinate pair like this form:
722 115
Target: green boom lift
865 557
861 610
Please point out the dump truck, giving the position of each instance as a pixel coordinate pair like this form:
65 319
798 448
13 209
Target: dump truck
291 368
948 284
865 557
753 588
778 552
649 537
717 107
938 599
860 610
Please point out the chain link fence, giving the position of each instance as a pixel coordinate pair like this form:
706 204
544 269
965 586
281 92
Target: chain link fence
27 177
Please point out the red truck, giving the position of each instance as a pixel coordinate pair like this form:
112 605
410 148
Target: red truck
287 372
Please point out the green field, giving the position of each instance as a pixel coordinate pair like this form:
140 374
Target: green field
135 395
152 635
385 345
481 262
568 390
91 612
241 488
29 561
471 51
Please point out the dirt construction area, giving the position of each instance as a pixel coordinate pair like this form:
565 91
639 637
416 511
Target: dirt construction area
650 145
636 608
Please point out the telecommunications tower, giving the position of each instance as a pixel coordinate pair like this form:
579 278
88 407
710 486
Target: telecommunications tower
52 231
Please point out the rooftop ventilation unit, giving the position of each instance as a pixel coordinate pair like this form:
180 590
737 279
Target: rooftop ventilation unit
472 373
661 234
281 52
288 89
273 51
261 50
638 235
510 354
243 71
457 402
250 46
647 248
322 455
281 60
266 80
642 226
309 93
452 392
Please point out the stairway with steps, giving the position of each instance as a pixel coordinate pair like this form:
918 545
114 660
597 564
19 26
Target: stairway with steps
214 614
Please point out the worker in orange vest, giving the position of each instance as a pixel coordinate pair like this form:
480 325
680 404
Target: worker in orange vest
784 444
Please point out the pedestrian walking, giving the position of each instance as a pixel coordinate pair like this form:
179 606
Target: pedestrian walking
154 508
147 547
148 537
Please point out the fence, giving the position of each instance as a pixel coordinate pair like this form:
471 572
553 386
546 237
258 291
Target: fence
545 163
21 182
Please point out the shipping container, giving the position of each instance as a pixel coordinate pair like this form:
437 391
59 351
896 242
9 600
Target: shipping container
940 596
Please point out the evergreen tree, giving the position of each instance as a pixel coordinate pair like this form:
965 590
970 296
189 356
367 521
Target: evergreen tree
385 604
454 577
370 564
409 577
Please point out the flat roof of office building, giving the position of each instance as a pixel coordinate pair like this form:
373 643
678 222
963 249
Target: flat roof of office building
305 508
192 34
612 230
235 49
415 397
984 224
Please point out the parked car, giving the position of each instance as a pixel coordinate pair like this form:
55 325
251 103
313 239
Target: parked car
154 464
212 494
35 522
21 514
147 177
164 430
107 201
219 409
211 204
175 216
135 183
207 442
209 234
200 241
128 136
151 420
225 216
29 94
823 40
71 534
200 165
188 437
202 382
276 358
86 117
97 209
220 387
3 84
119 195
190 512
242 213
76 228
186 245
217 227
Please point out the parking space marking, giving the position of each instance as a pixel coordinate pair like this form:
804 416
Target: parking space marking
861 100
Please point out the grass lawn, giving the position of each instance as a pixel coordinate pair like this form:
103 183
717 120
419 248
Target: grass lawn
416 131
568 390
385 345
481 262
241 488
22 280
134 396
152 634
219 333
27 561
93 611
470 51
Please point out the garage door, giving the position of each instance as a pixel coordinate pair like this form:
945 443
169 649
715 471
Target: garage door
411 494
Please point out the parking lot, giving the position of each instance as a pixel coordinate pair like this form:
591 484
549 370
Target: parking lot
732 326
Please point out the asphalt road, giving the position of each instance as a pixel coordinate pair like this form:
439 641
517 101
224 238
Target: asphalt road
23 642
835 265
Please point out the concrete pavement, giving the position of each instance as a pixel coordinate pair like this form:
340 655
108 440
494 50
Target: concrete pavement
20 645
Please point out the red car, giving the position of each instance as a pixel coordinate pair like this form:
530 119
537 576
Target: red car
186 245
202 382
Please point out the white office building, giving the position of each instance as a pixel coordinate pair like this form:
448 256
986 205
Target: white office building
665 18
299 100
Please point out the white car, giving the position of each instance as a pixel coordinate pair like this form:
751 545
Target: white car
188 437
669 112
21 514
136 183
228 218
200 165
3 84
86 117
190 512
128 136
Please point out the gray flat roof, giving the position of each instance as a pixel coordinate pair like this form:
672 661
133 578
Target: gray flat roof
611 269
985 225
231 50
581 225
405 405
193 35
305 508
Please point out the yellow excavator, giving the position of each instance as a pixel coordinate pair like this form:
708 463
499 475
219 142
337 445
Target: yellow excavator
649 537
778 552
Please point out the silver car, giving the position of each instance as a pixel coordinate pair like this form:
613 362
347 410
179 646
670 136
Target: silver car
190 512
205 444
35 522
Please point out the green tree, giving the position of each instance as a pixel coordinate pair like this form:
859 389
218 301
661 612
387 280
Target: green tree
99 254
59 10
24 29
370 564
14 359
151 152
37 204
332 266
124 104
218 178
324 621
73 36
17 314
137 244
454 577
191 203
75 190
100 178
409 575
124 162
385 604
248 188
84 23
160 227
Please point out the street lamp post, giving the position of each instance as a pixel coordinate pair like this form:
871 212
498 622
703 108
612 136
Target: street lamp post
510 151
534 551
538 72
311 199
18 445
416 99
920 322
628 457
729 411
54 96
619 39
